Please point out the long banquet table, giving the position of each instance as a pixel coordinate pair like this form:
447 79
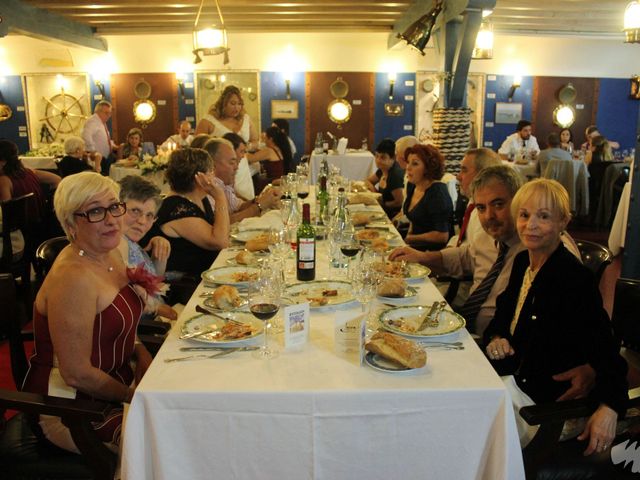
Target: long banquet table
313 414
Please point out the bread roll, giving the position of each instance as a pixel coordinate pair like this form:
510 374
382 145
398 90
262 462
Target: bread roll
359 218
379 245
245 257
392 287
362 198
257 244
226 297
397 349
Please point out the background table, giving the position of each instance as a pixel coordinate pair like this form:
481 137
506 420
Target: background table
39 163
157 178
353 165
314 414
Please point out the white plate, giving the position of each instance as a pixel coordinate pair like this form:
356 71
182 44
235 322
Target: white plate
205 322
409 292
248 234
301 292
209 303
416 272
234 263
382 234
225 275
381 364
449 321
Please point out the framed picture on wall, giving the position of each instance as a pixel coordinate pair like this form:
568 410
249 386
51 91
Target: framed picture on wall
507 112
284 109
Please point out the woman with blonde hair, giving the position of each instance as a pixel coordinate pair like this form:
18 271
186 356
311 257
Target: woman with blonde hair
86 313
228 115
550 318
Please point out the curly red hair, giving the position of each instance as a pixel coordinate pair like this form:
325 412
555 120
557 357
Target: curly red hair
430 157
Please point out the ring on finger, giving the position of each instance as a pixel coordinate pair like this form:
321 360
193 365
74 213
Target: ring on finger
495 352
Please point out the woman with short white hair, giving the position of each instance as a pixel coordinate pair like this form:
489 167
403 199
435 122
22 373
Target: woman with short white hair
75 159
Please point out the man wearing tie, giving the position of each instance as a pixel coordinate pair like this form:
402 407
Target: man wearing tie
97 138
520 141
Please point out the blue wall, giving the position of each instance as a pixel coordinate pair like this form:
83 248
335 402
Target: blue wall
495 134
187 104
272 87
617 116
394 127
12 95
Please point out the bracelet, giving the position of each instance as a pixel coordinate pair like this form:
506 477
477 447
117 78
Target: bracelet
257 204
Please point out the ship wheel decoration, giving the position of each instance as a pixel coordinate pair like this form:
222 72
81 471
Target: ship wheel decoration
63 113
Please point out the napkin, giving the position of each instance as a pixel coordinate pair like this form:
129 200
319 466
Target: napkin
342 146
271 219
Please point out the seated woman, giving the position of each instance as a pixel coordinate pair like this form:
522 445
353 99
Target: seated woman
187 220
428 205
566 140
143 200
388 179
275 155
75 160
134 148
550 317
86 312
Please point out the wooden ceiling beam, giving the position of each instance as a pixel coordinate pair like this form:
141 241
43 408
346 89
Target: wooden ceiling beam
18 17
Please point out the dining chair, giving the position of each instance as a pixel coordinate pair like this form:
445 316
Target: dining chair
24 453
46 254
595 257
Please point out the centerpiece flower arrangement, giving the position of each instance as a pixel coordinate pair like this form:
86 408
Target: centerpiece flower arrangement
154 163
47 150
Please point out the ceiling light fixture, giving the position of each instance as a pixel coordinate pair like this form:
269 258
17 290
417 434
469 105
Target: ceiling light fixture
210 40
632 23
419 32
483 49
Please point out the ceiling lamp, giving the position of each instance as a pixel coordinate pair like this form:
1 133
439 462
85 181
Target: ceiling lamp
632 23
483 49
210 40
419 32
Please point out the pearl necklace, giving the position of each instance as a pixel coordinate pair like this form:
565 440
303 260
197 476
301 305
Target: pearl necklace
82 253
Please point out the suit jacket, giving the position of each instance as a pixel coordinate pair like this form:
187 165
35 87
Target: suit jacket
562 325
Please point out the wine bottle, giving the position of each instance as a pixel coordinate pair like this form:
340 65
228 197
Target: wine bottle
323 203
306 251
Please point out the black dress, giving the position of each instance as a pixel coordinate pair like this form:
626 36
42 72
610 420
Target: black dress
561 325
395 180
70 165
433 212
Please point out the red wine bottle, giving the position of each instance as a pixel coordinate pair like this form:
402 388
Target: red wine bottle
306 251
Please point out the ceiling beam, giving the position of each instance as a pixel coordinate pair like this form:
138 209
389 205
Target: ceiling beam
18 17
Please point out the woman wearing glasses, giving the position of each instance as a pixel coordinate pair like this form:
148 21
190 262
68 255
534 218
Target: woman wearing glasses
86 312
143 200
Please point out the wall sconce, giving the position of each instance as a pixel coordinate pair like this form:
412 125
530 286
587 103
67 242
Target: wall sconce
517 80
181 77
632 23
634 93
392 82
100 86
417 35
210 41
483 49
287 82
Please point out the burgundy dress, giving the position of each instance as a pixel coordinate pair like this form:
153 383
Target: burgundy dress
114 332
26 182
274 169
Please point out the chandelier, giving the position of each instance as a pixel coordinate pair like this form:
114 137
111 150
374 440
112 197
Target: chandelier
210 40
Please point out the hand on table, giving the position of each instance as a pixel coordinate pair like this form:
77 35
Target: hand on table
406 254
159 247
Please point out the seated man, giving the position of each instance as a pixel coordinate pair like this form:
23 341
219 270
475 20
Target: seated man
226 165
181 139
243 183
520 141
553 151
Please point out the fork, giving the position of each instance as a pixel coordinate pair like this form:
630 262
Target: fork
201 356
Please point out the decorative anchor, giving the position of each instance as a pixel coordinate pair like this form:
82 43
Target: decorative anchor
45 134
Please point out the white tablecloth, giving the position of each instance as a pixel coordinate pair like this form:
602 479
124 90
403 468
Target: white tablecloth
157 178
40 163
619 228
315 415
353 165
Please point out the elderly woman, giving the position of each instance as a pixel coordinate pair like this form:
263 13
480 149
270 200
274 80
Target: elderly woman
186 217
275 155
550 317
428 205
134 148
75 159
86 312
388 179
228 115
143 200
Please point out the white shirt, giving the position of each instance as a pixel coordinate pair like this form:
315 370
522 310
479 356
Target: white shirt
514 143
244 182
178 140
95 136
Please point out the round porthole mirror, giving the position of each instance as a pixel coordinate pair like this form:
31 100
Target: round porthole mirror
144 112
567 94
339 111
564 116
339 88
142 89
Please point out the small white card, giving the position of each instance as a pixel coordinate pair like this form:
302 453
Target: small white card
349 335
162 102
296 326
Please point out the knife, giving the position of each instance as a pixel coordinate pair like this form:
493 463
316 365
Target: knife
196 334
201 356
214 349
427 317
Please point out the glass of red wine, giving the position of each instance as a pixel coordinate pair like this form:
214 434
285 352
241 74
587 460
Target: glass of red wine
303 186
264 303
350 248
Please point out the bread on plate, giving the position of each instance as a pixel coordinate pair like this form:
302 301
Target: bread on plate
397 349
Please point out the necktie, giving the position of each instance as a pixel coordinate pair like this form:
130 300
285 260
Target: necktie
472 306
465 223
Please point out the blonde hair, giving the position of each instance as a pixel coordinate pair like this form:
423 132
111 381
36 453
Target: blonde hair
74 191
551 193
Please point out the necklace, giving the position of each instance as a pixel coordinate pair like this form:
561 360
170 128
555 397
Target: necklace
82 253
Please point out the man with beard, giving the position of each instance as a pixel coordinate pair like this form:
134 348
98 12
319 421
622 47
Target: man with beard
520 141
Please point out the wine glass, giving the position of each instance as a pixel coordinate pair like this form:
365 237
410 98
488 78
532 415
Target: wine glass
264 303
303 186
349 247
364 281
